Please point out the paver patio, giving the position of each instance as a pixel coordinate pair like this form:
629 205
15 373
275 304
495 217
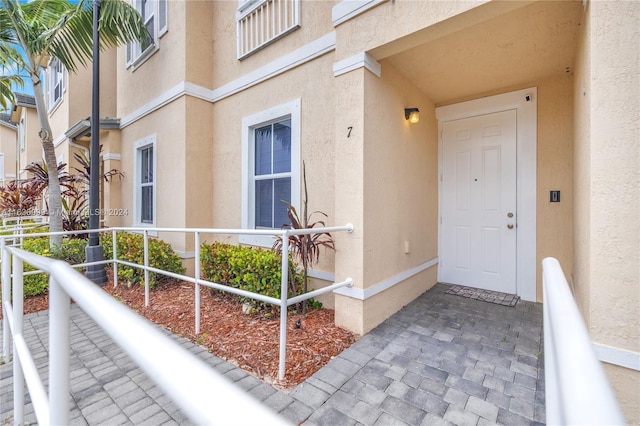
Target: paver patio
443 359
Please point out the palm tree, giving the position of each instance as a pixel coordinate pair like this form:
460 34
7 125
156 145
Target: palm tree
44 29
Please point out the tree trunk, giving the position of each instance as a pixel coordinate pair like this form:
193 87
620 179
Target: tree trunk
55 193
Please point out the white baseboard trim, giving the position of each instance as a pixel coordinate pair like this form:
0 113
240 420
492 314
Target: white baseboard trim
364 294
617 356
321 275
185 254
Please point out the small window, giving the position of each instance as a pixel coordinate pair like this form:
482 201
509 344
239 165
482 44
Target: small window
154 15
54 80
261 22
271 179
145 183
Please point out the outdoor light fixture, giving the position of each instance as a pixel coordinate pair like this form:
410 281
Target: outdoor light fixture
412 114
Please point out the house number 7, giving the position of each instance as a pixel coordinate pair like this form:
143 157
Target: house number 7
349 131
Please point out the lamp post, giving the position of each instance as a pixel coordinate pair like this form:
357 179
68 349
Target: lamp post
94 251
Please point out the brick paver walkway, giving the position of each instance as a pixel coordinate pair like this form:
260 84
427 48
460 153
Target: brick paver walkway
443 359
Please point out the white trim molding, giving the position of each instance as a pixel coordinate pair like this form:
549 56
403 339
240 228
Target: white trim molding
181 89
617 356
364 294
306 53
348 9
111 156
185 254
291 111
525 103
359 60
321 275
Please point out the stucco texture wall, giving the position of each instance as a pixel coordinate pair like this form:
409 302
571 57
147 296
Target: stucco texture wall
395 171
168 125
316 145
607 207
614 87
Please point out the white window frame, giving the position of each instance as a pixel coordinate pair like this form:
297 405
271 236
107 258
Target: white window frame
289 110
55 75
139 146
135 56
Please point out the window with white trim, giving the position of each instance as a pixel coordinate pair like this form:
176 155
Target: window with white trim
154 15
145 181
54 78
260 22
271 169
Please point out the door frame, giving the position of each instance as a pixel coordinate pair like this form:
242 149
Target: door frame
525 103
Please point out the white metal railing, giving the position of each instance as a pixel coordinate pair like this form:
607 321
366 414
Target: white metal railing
577 390
283 302
261 22
186 379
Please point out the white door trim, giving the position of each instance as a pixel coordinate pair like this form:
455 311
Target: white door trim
525 103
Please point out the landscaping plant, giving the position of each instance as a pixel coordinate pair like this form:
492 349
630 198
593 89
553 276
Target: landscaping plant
305 248
247 268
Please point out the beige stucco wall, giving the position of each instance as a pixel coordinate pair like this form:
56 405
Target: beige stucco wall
8 141
316 145
612 42
33 147
397 180
168 125
315 22
164 69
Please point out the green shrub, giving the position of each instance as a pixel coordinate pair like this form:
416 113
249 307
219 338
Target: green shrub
247 268
131 249
71 251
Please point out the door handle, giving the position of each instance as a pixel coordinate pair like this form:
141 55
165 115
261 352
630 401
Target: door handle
510 226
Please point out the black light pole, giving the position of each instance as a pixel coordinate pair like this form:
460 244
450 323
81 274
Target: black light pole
94 251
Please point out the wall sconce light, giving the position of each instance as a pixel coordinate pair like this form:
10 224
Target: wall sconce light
412 114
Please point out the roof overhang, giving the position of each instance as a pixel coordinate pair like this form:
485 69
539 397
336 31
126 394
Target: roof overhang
83 127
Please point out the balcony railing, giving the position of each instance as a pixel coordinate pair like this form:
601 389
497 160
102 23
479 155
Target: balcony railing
577 390
261 22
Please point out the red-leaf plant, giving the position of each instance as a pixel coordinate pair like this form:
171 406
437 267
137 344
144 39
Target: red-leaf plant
305 248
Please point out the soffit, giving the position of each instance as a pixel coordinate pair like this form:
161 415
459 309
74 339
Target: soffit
532 42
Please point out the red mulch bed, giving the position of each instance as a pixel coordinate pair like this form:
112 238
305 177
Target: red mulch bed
250 341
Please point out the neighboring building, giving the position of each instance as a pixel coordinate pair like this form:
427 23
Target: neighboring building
8 141
526 145
29 148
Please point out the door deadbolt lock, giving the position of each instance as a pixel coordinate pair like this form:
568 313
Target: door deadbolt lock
509 214
510 226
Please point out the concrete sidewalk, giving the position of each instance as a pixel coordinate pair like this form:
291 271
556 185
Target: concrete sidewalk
443 359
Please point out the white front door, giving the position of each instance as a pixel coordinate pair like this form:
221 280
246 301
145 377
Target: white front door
478 231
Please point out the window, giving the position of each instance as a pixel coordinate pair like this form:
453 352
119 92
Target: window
154 15
145 182
260 22
271 162
54 83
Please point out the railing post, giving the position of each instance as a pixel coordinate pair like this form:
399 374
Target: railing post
283 305
197 283
114 242
146 268
18 375
59 381
6 299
